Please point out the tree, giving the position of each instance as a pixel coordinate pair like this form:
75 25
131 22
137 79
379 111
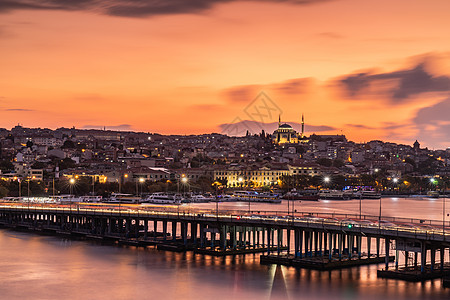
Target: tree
66 163
3 191
338 163
6 166
68 144
411 161
324 162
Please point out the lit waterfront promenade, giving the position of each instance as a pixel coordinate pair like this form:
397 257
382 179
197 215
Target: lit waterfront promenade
309 240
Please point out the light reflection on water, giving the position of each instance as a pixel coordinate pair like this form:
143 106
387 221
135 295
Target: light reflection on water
45 267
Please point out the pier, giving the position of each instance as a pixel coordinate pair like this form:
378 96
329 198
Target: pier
302 240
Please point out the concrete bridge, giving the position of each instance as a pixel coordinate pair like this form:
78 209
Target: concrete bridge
305 240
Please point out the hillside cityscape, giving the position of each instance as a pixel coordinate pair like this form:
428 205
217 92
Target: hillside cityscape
40 162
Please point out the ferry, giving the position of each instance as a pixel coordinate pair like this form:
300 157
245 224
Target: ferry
201 199
335 195
251 196
367 195
123 198
432 194
305 195
91 199
163 198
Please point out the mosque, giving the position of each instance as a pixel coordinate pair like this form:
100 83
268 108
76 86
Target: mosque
285 134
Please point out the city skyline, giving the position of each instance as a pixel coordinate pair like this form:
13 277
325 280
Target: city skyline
372 70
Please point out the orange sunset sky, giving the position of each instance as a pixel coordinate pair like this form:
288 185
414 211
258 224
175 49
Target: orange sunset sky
368 69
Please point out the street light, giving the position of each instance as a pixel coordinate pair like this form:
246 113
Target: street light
184 180
141 181
71 183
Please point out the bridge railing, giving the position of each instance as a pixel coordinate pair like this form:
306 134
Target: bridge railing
314 218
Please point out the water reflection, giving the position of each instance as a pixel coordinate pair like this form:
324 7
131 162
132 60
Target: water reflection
47 267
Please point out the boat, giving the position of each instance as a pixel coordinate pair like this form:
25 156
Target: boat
432 194
201 199
224 198
123 198
367 195
306 195
252 196
163 198
91 199
335 195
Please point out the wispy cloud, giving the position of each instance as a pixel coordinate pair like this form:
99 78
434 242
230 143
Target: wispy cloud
131 8
330 35
18 109
398 86
360 126
291 87
122 127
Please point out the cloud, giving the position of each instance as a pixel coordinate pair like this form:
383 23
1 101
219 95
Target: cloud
399 86
122 127
433 124
240 127
359 126
131 8
206 107
19 109
246 93
330 35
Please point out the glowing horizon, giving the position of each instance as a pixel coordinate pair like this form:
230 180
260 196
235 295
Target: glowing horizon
369 70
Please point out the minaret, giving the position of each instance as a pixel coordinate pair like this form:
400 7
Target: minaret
303 125
279 120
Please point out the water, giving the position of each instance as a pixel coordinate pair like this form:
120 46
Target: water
47 267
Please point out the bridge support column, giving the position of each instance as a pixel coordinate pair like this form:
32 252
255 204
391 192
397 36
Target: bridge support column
254 237
164 223
378 247
369 239
300 243
223 237
330 242
416 254
263 236
184 232
406 258
194 227
268 240
316 243
358 245
145 228
386 260
423 257
340 242
307 243
213 240
234 236
155 229
396 257
442 251
296 242
350 245
279 240
433 258
288 234
202 235
174 231
320 235
325 243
